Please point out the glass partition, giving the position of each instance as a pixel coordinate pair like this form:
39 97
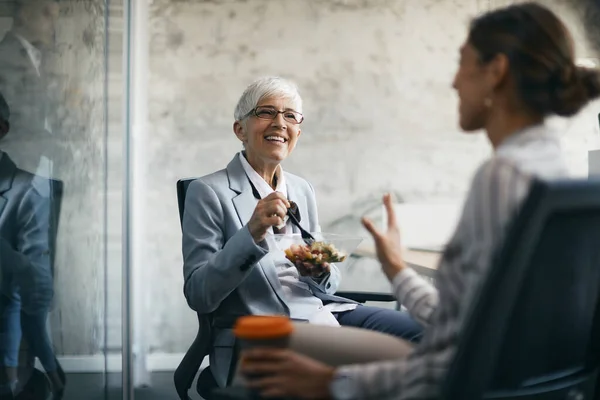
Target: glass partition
60 198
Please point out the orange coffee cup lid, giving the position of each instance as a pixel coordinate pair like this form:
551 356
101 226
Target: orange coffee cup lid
262 327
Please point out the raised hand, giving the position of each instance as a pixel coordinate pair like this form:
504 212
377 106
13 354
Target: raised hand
387 244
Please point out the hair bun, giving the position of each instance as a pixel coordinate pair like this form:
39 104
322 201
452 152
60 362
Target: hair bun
573 88
590 77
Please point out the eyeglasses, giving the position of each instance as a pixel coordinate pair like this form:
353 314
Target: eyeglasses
267 112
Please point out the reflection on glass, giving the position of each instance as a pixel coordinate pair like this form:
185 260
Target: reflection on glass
52 58
27 226
23 83
28 206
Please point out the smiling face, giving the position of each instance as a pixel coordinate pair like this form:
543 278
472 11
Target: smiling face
268 141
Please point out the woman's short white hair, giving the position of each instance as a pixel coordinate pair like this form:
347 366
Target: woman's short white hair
269 86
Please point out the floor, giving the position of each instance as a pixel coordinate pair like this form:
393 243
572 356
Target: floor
92 387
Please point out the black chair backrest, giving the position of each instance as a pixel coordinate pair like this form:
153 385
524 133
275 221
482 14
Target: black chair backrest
182 187
534 330
189 366
56 204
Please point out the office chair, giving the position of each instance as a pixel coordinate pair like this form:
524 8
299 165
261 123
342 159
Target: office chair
533 331
189 366
56 207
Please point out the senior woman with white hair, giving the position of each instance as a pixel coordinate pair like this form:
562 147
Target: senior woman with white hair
228 268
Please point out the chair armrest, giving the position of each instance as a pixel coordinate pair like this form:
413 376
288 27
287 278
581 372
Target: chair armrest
363 297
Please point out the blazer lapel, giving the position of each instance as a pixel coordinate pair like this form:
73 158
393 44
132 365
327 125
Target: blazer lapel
245 203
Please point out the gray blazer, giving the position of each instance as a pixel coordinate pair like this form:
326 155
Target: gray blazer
25 237
225 272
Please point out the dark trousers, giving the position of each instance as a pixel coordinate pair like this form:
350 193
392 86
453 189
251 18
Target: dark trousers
392 322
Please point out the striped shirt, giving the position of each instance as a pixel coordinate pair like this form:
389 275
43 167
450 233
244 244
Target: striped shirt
497 190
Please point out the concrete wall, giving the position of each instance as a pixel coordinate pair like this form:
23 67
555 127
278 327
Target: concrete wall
380 114
78 70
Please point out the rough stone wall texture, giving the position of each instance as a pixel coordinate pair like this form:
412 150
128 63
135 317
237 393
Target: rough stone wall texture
77 89
380 114
88 89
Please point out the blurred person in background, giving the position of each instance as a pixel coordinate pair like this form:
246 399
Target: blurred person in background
32 147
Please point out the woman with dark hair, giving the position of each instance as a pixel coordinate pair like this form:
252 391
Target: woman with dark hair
517 67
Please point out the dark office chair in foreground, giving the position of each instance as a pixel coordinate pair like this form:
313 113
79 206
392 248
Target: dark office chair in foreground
533 331
189 366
